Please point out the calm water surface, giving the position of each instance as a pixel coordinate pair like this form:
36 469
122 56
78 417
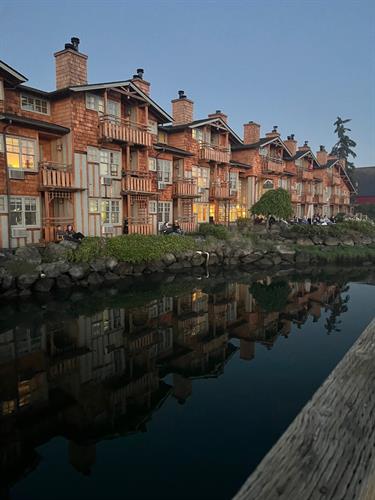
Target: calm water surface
172 390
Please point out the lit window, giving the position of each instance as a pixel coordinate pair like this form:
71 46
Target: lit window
20 153
93 206
24 212
233 181
153 127
110 211
95 102
34 104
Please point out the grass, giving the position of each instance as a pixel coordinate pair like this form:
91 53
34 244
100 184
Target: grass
215 230
356 254
133 248
347 228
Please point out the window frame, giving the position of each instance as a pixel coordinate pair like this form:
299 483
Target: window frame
21 140
152 161
3 204
162 171
98 99
161 212
110 212
2 91
152 126
23 199
34 99
95 155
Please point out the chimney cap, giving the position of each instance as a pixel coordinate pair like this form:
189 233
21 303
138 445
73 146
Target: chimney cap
218 111
322 148
181 94
274 128
292 137
306 143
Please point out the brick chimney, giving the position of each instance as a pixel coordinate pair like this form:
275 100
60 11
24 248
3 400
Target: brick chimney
305 146
182 109
251 133
322 155
71 66
291 144
219 114
273 133
140 82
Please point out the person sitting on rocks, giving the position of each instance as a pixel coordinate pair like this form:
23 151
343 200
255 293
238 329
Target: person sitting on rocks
59 233
71 235
176 228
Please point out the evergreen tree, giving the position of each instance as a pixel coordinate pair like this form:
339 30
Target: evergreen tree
344 146
274 202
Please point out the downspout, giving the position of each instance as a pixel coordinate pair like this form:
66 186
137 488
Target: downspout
7 183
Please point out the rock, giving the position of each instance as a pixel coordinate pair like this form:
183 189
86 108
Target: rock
54 251
169 259
265 262
198 260
68 245
365 240
176 266
304 242
155 266
302 258
95 279
139 268
249 259
28 254
124 269
276 260
44 285
98 265
53 269
24 293
6 279
347 241
214 259
111 263
331 242
109 276
26 280
317 240
63 281
79 271
284 250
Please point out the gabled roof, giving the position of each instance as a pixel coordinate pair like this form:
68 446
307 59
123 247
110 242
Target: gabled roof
263 141
125 83
12 74
365 179
200 123
305 152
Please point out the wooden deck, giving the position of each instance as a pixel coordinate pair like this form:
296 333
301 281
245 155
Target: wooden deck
328 451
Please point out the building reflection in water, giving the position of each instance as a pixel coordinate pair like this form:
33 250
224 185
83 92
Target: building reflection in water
90 377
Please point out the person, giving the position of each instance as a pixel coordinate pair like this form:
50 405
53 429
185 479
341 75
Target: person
166 228
71 235
59 233
176 228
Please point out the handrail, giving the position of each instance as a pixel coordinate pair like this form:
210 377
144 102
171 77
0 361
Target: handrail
116 120
54 165
136 173
215 147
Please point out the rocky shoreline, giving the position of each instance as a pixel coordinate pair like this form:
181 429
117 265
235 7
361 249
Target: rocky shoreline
40 270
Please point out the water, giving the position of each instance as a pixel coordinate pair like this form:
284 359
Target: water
171 390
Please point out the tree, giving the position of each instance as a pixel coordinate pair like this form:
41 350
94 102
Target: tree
344 146
272 297
274 202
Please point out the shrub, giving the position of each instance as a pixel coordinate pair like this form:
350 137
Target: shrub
218 231
132 248
243 222
274 202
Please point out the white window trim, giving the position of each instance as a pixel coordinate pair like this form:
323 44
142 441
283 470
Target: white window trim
161 205
152 164
97 98
24 225
36 155
2 91
93 151
29 96
153 127
110 223
161 171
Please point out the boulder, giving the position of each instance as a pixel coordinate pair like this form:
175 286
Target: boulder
252 257
69 245
111 263
214 259
28 254
79 271
44 285
95 279
124 269
331 242
347 241
176 266
54 251
155 266
25 281
53 269
169 259
139 268
64 281
198 260
24 293
276 260
6 279
366 240
109 276
98 265
265 262
304 242
317 240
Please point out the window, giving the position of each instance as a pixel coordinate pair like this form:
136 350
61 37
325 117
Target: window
263 151
34 104
1 90
153 127
233 181
110 211
153 207
268 184
109 163
201 210
113 108
162 137
164 171
2 203
1 143
152 164
93 206
20 153
202 174
197 134
95 102
24 211
299 187
165 211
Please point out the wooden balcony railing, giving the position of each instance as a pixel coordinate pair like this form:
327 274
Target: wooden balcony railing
124 130
305 175
185 188
188 224
211 152
220 190
55 175
50 227
137 182
272 164
139 225
318 198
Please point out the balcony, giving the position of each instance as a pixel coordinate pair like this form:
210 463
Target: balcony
307 198
185 188
272 165
220 191
123 130
318 198
137 182
188 224
305 175
210 152
335 199
139 225
56 176
294 197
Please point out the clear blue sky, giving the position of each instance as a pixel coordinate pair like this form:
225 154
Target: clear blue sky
296 64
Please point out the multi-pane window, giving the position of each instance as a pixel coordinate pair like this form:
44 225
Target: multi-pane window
202 174
153 207
95 102
153 127
93 206
110 210
24 211
152 164
34 104
2 203
197 134
20 153
164 171
233 181
109 163
113 108
164 211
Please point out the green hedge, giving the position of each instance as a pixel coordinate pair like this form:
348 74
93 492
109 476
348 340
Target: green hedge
132 248
216 230
335 230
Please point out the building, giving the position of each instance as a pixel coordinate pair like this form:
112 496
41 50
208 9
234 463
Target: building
108 159
364 179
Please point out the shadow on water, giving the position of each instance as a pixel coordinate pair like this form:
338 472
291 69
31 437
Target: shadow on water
165 387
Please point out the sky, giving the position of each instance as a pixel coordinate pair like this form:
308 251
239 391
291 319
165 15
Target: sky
297 64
